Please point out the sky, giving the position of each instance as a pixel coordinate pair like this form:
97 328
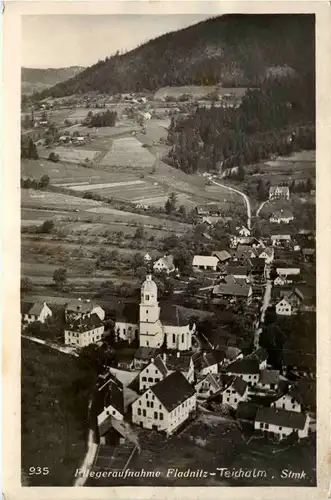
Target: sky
70 40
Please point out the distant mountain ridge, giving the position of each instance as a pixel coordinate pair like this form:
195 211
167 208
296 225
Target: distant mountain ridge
36 79
234 50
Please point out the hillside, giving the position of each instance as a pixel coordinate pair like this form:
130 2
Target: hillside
234 50
36 80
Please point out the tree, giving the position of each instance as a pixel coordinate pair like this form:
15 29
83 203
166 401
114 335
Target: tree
192 287
182 210
26 284
47 226
170 205
60 277
53 157
44 181
261 190
241 173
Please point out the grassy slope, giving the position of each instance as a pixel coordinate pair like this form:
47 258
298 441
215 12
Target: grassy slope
52 436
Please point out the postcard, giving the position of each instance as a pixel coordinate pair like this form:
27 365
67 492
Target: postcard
166 250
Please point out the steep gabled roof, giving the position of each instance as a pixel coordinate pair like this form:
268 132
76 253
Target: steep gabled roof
37 308
245 366
159 363
239 385
269 377
110 392
173 390
146 353
180 363
81 306
283 418
84 324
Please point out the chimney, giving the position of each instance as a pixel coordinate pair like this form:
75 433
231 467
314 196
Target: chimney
152 360
178 354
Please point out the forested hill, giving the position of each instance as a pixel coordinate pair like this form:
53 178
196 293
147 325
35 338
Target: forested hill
35 79
235 50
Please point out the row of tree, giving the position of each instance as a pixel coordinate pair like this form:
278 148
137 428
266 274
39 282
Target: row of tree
106 119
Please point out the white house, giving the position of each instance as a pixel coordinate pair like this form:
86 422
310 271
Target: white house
205 262
205 363
78 308
279 192
235 392
109 399
267 254
243 231
164 264
269 380
125 330
290 401
206 386
38 311
278 240
151 374
284 307
290 302
84 331
282 217
281 423
165 405
247 368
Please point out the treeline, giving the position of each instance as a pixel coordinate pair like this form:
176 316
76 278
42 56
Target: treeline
28 148
106 119
276 119
237 50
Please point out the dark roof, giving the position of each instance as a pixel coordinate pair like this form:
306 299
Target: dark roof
222 255
146 353
269 377
159 363
280 417
180 363
83 324
110 393
244 366
256 262
239 385
25 307
232 352
37 308
173 315
173 390
247 410
231 290
82 306
235 270
129 313
261 354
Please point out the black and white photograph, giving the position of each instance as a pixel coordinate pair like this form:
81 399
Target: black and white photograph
168 250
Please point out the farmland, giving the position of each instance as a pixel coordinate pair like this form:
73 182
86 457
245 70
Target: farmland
128 152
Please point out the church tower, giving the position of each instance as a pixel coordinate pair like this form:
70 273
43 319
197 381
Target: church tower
151 333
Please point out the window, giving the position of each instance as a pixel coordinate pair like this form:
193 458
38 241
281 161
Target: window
157 380
160 406
293 406
144 379
146 311
153 397
146 297
182 338
124 331
280 428
261 426
173 338
147 370
144 413
267 426
150 379
235 400
147 395
161 415
155 415
114 412
152 404
139 403
147 404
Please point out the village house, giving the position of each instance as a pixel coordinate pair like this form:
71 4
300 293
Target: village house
293 300
207 362
237 271
83 331
235 392
244 252
261 355
39 311
284 269
205 262
151 374
166 405
181 363
281 240
290 401
232 354
292 279
143 356
247 368
257 272
207 386
269 380
243 231
222 256
267 254
281 423
283 216
164 264
109 399
279 192
78 308
211 209
233 292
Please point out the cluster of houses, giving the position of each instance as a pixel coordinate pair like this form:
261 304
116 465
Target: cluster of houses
171 386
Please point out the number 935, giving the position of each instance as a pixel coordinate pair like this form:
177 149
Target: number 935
38 471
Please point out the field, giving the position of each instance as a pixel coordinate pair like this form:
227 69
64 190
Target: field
69 154
53 435
128 152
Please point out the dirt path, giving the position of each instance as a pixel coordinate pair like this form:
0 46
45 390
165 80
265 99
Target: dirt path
246 199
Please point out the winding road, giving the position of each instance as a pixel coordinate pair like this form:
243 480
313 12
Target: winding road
247 202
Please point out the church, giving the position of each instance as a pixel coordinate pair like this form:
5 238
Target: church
157 327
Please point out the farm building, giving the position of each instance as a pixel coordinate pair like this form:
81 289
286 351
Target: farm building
39 311
283 216
281 423
279 192
205 262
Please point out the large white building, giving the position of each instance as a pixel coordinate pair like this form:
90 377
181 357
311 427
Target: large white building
82 332
165 405
172 331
